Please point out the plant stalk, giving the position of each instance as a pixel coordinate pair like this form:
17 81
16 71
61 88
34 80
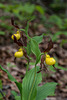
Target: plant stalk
32 84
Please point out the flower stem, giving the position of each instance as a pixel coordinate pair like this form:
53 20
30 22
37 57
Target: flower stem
32 83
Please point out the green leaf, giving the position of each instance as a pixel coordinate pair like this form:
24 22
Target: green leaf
0 84
1 97
22 30
28 48
35 49
14 93
2 5
65 23
64 41
19 85
55 36
52 68
38 38
10 64
2 33
59 67
17 98
30 82
39 57
56 20
9 75
4 25
46 90
40 9
27 27
12 79
29 8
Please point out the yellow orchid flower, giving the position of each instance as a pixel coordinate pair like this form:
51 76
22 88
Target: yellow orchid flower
17 35
19 53
49 60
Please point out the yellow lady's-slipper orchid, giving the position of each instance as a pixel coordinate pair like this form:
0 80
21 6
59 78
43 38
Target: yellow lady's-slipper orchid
17 35
49 60
19 53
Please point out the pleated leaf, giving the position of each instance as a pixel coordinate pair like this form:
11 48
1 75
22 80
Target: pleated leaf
38 38
29 86
12 79
47 89
35 49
